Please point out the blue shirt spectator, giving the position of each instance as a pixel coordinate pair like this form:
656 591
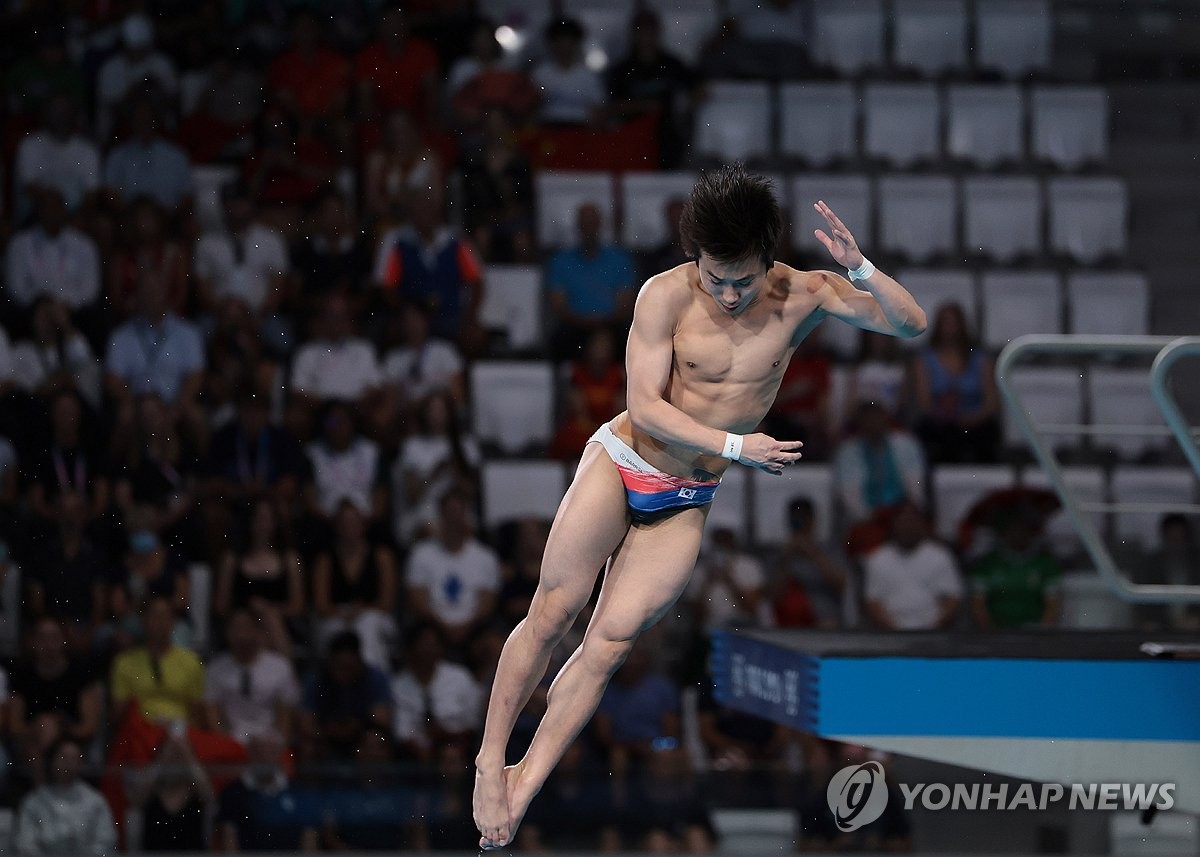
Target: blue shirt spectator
343 700
158 358
148 165
638 705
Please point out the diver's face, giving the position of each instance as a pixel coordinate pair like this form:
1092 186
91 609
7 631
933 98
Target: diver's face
733 285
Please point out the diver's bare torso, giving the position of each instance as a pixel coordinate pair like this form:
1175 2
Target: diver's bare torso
727 369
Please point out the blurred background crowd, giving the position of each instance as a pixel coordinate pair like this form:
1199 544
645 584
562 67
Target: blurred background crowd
252 589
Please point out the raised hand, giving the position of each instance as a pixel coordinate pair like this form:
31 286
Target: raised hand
842 246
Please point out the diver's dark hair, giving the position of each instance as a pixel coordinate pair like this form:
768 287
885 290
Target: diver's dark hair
732 216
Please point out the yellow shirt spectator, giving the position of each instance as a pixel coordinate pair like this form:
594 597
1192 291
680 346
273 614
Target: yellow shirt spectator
166 690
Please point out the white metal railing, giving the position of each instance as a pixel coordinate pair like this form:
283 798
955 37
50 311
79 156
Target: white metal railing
1166 350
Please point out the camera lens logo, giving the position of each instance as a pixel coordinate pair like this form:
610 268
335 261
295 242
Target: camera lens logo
857 795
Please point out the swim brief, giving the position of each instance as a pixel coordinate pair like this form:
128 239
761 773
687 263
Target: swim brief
650 493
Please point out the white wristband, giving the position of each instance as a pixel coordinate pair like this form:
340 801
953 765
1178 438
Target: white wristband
863 271
733 447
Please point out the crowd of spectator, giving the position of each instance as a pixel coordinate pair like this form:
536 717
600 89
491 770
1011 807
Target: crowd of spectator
276 393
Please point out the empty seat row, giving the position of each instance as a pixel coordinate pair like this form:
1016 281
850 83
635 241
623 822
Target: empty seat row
756 504
914 217
902 124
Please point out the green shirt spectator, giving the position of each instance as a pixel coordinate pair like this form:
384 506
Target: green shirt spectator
1016 585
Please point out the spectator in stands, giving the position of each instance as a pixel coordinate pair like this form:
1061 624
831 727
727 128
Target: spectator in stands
147 252
65 575
312 81
576 428
65 815
497 186
423 365
771 40
164 681
56 357
149 569
251 458
334 258
250 690
956 406
572 94
397 71
262 810
156 352
148 164
1174 561
288 168
158 481
43 73
877 376
52 259
239 365
431 263
337 364
438 704
820 830
651 80
664 811
522 569
671 252
230 98
1016 584
54 695
137 67
402 166
344 467
265 577
877 468
575 809
639 706
590 286
58 157
354 588
174 795
728 585
245 261
66 465
812 577
452 578
911 582
735 741
599 375
485 81
342 700
801 409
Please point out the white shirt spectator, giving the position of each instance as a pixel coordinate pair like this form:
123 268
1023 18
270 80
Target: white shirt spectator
264 256
568 94
336 370
71 166
909 585
65 266
421 371
350 474
423 456
454 581
33 363
73 820
155 168
719 600
271 683
453 694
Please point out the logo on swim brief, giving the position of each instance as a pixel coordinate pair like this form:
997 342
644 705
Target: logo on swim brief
687 493
857 795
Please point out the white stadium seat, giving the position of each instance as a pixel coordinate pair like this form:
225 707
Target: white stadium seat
957 487
559 196
935 287
848 195
1175 486
773 495
644 199
734 121
1019 302
1088 217
512 403
848 35
1090 604
686 25
818 122
1108 302
929 35
1051 395
918 216
901 122
985 125
512 302
1069 125
1087 485
521 489
729 508
1123 397
1013 37
1002 217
